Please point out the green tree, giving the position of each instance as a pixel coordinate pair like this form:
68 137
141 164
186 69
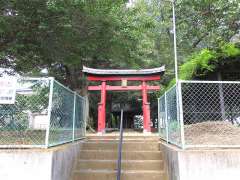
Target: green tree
205 24
61 36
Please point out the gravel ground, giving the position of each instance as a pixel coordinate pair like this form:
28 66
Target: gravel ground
212 133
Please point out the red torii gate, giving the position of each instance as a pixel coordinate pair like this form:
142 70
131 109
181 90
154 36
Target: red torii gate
104 75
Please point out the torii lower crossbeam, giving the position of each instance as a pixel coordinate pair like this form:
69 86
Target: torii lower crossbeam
122 88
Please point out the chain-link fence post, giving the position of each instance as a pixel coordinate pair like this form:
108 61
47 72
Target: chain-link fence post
221 98
179 89
51 80
85 110
166 117
74 115
158 115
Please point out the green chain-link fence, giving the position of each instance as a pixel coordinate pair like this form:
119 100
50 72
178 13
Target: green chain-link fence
169 123
208 115
45 113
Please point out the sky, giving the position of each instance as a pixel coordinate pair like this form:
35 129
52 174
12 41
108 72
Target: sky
130 3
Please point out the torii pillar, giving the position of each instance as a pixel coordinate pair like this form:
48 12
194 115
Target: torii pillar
146 109
102 109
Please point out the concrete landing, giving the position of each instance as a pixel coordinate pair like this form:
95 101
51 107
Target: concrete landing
201 164
39 164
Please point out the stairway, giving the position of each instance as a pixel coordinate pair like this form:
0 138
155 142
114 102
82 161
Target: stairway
142 159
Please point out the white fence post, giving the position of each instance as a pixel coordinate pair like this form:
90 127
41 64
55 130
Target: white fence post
74 115
179 89
49 111
85 109
158 116
166 116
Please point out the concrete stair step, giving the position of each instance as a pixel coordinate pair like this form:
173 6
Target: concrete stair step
126 155
154 165
141 137
127 146
111 175
117 141
141 159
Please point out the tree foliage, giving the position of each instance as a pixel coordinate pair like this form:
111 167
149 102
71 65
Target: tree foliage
206 61
62 35
205 24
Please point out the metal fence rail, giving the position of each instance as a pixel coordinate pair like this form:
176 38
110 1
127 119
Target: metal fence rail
45 113
209 114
